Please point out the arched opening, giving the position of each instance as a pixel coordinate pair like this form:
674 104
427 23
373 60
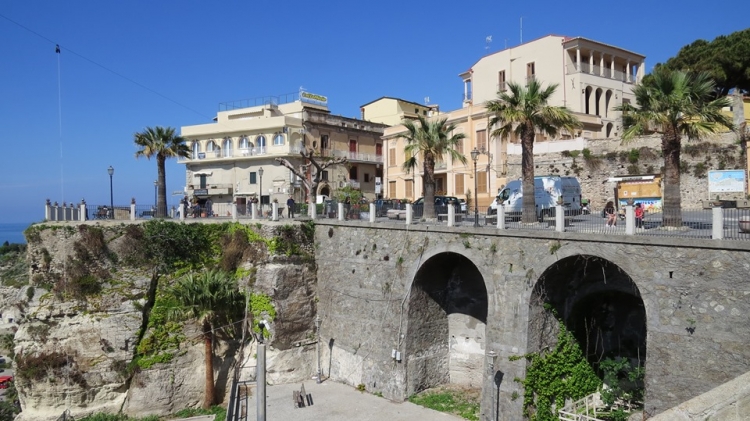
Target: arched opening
588 100
607 100
599 304
598 102
609 129
447 313
325 191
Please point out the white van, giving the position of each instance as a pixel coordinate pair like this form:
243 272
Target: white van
547 190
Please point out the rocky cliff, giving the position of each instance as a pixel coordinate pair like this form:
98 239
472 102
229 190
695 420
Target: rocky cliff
92 334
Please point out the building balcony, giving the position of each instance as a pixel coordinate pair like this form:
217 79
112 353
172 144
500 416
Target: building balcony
357 156
210 189
221 155
605 72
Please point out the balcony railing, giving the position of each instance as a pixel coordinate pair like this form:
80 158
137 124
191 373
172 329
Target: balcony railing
357 156
241 153
605 72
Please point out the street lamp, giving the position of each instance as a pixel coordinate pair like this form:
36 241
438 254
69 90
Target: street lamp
156 185
260 189
474 156
111 172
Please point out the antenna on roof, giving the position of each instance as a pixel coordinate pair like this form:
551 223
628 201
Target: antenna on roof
487 42
521 29
426 100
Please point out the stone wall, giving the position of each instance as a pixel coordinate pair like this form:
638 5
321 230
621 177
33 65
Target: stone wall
692 292
713 153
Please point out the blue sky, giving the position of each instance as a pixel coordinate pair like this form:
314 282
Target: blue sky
131 64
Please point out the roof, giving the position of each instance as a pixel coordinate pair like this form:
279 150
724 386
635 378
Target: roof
396 99
603 43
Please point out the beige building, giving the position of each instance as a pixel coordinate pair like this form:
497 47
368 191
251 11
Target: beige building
233 158
593 78
393 111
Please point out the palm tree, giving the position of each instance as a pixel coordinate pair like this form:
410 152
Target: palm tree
674 103
433 139
214 300
162 143
524 111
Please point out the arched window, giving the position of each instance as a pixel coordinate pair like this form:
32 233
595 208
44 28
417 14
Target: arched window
244 143
211 146
227 146
278 139
260 141
196 149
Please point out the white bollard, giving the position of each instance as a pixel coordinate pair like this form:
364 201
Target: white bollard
234 211
275 211
629 220
372 213
83 212
451 215
48 211
253 211
408 214
183 208
341 211
717 232
559 218
501 217
313 211
132 212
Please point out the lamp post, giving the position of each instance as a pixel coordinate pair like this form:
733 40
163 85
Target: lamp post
260 190
474 157
156 185
111 172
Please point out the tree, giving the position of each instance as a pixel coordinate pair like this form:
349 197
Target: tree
524 111
675 104
432 139
312 181
213 299
726 59
162 143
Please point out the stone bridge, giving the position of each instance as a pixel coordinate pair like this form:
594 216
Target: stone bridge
405 308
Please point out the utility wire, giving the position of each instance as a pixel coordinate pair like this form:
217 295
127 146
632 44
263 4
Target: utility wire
104 67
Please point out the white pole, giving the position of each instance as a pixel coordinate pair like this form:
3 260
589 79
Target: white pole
260 380
372 213
408 214
451 215
629 220
718 223
501 217
341 211
559 218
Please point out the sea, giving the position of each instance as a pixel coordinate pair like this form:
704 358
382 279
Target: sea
13 232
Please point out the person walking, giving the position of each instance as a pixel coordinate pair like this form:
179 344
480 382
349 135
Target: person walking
290 207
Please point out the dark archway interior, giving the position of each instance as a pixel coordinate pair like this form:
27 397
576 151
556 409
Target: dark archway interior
446 284
599 303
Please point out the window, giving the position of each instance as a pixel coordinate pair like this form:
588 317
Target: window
482 140
227 146
324 142
352 149
244 143
392 157
211 146
353 173
367 178
253 177
530 72
260 141
416 111
324 177
460 146
501 86
278 139
482 182
392 189
459 184
409 188
439 186
379 150
196 149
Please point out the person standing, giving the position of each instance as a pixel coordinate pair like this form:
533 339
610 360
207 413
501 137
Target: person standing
290 207
639 215
209 207
347 206
610 214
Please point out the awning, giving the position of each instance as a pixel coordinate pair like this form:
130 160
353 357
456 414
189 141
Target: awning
202 173
631 178
249 193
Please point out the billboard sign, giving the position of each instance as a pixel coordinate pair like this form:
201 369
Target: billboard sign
726 181
314 98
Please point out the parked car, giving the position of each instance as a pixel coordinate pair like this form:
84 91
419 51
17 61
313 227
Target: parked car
382 206
548 190
441 207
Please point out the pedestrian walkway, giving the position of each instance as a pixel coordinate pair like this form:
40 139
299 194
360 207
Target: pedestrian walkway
338 402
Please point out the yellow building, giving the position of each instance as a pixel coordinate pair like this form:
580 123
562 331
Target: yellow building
393 111
233 158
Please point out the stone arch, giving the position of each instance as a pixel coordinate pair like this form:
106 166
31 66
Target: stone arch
446 319
598 102
597 301
607 102
609 130
324 190
588 99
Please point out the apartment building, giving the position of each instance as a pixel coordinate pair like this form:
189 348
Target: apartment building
592 77
233 158
393 111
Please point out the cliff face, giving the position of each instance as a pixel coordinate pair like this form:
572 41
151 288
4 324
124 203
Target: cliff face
93 337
